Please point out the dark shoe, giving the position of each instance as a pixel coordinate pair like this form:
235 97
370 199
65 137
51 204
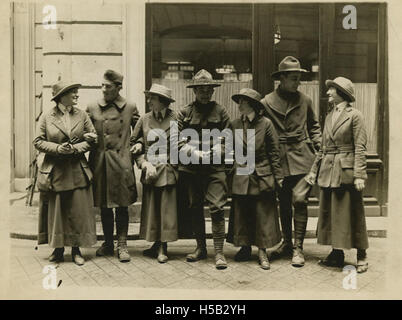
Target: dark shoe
57 255
263 259
105 250
77 256
153 251
244 254
298 257
362 266
335 259
162 253
220 261
122 253
199 254
284 250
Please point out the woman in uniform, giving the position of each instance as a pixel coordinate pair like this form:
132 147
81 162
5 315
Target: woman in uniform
254 215
340 168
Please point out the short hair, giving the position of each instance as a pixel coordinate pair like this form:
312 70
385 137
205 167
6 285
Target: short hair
164 101
343 95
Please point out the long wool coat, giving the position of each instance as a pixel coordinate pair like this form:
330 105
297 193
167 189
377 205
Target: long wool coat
159 198
254 215
114 180
65 214
298 130
341 159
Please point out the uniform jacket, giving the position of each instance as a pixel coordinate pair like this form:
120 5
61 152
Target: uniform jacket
60 172
267 158
298 130
342 156
166 173
114 180
198 117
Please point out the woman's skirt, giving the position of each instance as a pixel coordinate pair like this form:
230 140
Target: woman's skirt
67 218
254 220
159 213
341 222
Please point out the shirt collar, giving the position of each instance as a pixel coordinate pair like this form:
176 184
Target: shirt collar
163 112
64 109
339 107
250 117
119 102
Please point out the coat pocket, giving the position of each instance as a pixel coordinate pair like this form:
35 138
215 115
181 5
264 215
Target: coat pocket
347 165
44 180
266 180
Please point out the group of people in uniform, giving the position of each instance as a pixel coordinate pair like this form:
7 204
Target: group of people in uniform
291 155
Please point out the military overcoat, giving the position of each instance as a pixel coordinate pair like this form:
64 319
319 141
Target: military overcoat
114 181
298 130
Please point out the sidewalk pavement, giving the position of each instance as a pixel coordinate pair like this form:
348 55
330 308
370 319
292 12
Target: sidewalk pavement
28 260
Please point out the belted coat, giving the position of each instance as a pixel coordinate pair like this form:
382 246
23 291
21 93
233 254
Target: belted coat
267 160
114 182
298 130
60 172
342 156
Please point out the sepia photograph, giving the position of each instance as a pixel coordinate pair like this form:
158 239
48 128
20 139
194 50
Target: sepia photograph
200 150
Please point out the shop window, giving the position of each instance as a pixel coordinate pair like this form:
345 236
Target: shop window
190 37
355 57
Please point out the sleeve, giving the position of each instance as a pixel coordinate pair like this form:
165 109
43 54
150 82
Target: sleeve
360 142
182 144
135 116
40 142
138 136
272 141
313 127
84 146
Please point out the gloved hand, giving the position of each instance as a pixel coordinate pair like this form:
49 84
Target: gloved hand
359 184
136 149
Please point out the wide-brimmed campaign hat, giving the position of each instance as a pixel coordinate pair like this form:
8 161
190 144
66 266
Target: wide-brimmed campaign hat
61 87
343 84
288 64
161 91
249 94
203 78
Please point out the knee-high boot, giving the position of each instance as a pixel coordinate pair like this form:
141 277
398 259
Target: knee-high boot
218 234
122 231
107 218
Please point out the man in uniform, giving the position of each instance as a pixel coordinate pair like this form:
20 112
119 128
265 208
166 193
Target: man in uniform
114 181
204 182
300 136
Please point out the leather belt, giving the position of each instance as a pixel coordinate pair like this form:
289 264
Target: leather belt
292 138
338 149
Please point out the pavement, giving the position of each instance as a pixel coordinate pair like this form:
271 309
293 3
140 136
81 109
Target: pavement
28 263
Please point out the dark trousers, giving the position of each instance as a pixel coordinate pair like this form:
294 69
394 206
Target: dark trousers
195 190
294 194
107 218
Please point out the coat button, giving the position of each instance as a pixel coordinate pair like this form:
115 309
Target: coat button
121 120
120 135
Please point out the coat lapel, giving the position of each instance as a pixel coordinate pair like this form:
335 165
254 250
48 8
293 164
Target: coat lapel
57 122
75 119
343 117
328 124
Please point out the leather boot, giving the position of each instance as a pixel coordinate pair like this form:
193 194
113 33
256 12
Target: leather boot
76 256
362 264
218 234
57 255
263 259
107 218
162 253
153 251
199 253
335 259
122 231
300 223
198 227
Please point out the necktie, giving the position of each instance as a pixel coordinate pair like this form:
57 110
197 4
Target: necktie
160 118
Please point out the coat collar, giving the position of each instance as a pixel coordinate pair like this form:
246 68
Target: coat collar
119 102
280 105
343 117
